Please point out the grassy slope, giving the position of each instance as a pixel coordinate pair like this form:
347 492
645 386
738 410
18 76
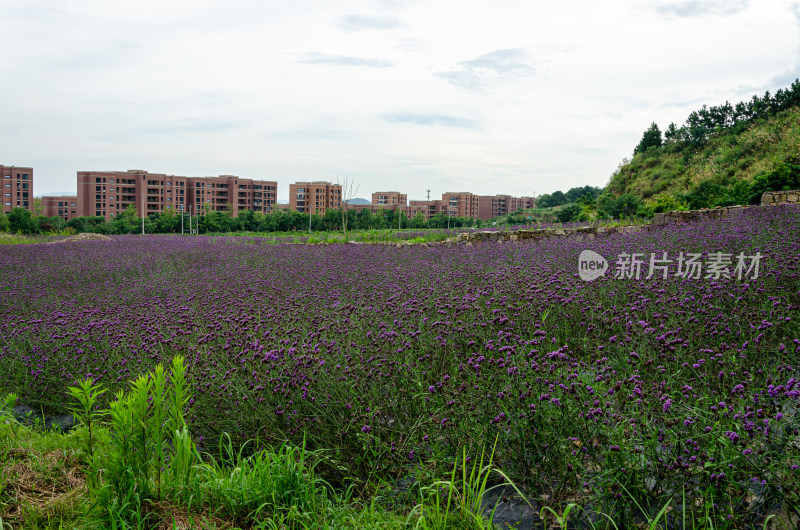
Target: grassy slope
731 156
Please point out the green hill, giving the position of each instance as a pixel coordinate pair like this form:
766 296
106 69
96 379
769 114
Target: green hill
722 155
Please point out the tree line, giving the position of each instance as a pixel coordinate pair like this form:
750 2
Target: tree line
701 124
21 220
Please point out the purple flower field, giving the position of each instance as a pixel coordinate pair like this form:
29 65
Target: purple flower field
601 392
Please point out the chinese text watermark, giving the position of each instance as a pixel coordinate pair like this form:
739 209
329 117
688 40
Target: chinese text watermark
690 266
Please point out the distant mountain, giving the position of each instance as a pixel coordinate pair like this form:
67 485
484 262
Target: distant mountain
359 201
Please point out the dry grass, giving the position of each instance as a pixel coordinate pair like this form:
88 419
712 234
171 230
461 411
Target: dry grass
83 237
175 517
43 485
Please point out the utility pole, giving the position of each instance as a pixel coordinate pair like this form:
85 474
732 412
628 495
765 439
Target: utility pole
181 219
534 200
190 219
429 193
144 192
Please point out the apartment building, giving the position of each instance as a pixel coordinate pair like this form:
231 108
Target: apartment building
461 204
64 206
17 187
490 206
389 197
107 193
231 192
429 209
314 197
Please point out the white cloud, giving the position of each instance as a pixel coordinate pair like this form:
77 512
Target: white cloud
490 68
364 22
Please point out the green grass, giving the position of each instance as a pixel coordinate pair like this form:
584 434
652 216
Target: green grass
16 239
116 471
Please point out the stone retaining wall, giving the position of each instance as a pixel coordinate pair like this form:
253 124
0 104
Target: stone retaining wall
591 232
582 232
770 198
687 216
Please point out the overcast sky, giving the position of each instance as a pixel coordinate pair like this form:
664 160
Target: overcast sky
488 97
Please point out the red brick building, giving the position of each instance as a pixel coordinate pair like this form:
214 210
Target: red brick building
461 204
231 192
314 197
17 187
389 197
494 206
64 206
429 208
107 193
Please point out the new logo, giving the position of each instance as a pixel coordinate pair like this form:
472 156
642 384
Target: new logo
591 265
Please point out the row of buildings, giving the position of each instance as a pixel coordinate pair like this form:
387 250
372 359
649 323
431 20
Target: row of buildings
107 193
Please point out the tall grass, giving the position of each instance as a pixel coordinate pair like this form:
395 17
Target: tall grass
16 239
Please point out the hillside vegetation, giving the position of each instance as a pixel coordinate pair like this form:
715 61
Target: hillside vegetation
722 155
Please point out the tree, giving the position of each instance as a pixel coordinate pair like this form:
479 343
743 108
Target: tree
3 221
671 134
21 220
785 176
606 205
557 198
628 205
332 220
37 208
650 138
349 190
167 221
705 195
126 222
568 213
365 219
95 224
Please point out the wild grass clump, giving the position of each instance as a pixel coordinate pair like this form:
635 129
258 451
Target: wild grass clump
16 239
142 469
